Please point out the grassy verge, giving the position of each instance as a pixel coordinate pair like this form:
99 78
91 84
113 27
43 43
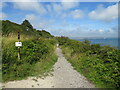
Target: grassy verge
37 57
100 64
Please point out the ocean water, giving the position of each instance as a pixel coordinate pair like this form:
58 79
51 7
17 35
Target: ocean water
113 42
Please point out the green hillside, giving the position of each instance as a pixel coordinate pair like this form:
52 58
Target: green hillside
37 53
10 28
100 64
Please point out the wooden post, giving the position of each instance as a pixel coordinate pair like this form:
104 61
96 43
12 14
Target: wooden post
19 53
19 47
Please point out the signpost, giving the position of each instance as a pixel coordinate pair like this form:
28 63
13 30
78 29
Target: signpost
18 44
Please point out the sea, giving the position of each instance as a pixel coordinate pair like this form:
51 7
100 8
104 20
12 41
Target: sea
113 42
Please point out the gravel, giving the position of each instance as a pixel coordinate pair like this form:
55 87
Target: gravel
64 76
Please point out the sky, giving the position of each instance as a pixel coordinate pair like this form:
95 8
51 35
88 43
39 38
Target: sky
71 19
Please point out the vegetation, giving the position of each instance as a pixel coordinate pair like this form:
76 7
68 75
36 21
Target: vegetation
11 29
100 64
27 24
37 53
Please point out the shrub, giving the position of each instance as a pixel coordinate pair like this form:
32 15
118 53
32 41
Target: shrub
32 52
100 64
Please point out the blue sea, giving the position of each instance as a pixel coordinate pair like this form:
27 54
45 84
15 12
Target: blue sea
113 42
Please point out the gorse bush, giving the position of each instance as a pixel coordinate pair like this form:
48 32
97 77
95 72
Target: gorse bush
100 64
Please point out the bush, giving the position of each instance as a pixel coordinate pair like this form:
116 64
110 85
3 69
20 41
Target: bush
32 52
100 64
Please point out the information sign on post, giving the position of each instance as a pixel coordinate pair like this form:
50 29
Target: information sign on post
18 44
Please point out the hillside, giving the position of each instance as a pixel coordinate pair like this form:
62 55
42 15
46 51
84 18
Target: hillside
99 64
10 28
37 54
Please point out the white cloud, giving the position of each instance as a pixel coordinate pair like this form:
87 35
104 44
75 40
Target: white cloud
69 5
57 7
2 16
54 9
21 0
111 31
31 17
61 7
49 8
39 22
105 14
31 6
64 15
101 30
2 5
77 14
44 24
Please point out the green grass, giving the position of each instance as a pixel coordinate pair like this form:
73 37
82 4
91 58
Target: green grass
45 66
25 70
100 64
37 57
92 68
37 53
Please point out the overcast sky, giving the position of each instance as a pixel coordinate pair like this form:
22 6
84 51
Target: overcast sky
72 19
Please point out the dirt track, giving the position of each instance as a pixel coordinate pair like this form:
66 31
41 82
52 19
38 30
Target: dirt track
64 76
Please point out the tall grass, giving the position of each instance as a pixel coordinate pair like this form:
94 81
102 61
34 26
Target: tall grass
100 64
37 57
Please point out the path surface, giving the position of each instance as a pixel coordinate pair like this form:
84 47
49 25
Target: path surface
64 76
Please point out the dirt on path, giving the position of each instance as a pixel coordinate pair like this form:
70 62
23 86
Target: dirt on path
63 76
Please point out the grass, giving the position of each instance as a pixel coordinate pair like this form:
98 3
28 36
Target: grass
99 64
37 57
89 66
37 54
43 67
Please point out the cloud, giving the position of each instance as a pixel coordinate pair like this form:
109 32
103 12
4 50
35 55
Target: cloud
21 0
31 17
2 5
60 8
105 14
49 8
110 31
39 22
77 14
57 7
69 5
31 6
2 16
113 30
45 24
101 30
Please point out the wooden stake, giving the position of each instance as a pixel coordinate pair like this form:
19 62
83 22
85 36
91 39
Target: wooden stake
18 47
19 53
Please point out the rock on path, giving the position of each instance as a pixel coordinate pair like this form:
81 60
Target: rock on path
64 76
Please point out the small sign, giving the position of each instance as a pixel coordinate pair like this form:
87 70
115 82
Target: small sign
18 44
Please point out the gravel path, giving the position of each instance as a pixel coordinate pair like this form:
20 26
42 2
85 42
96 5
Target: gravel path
64 76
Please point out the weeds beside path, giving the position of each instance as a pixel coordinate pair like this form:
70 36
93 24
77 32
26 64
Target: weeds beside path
63 76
